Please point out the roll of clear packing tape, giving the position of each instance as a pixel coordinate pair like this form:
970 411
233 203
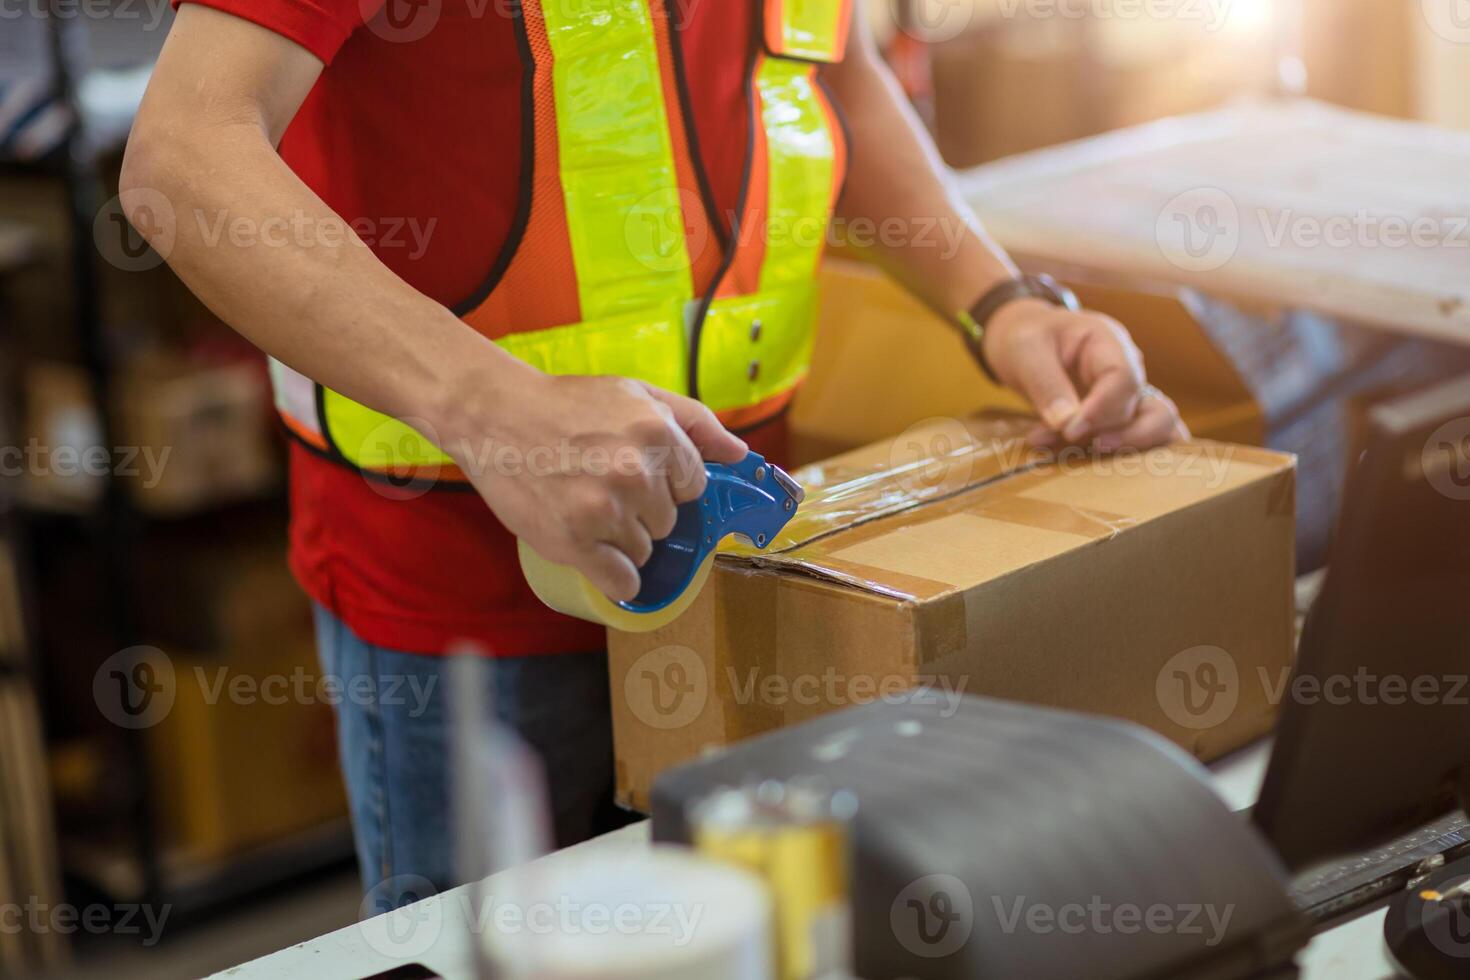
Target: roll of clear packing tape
752 499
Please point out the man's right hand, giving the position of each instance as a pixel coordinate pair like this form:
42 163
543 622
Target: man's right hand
603 464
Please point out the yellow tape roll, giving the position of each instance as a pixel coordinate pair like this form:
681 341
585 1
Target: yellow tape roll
567 590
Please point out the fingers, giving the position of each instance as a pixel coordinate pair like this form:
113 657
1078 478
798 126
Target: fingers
1110 403
1156 423
1039 373
1112 369
711 439
684 474
658 516
633 539
610 570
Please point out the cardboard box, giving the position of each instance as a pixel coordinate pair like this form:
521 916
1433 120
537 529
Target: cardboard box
189 436
1155 588
247 753
213 424
869 324
1018 83
242 767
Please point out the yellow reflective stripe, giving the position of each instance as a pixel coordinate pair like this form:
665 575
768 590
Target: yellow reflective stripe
810 29
649 346
617 159
754 347
646 346
800 149
374 441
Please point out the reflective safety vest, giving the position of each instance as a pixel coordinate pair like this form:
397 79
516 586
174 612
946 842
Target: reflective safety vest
613 233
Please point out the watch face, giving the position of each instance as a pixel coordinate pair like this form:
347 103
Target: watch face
1049 289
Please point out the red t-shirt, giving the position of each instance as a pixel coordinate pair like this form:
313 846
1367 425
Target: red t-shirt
413 134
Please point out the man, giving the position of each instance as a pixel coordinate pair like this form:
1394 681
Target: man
478 234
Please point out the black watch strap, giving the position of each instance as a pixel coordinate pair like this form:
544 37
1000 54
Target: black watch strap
977 318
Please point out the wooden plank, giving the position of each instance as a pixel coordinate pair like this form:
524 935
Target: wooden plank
37 862
1294 203
29 871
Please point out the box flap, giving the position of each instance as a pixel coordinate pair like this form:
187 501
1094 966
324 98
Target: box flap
951 504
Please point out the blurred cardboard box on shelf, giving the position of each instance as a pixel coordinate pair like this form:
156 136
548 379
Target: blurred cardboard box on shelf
189 436
63 435
911 365
211 421
1399 59
247 753
1016 83
1153 587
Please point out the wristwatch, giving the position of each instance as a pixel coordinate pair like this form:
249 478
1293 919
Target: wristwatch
974 320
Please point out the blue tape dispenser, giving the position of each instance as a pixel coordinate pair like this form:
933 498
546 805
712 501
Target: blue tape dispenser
752 499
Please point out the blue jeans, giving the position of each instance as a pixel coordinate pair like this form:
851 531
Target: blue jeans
393 729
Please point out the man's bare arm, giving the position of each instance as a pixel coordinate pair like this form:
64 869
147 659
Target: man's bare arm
1081 371
205 140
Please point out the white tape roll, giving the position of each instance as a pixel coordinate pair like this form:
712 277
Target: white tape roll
631 913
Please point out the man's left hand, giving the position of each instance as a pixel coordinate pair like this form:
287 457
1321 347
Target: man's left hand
1084 375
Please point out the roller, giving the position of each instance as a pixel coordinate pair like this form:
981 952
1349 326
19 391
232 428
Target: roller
752 499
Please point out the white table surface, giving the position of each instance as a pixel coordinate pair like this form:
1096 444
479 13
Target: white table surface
437 932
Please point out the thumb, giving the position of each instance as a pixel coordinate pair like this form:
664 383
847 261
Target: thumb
1037 371
714 442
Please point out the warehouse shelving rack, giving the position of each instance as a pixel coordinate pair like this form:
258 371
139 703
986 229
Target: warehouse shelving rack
143 872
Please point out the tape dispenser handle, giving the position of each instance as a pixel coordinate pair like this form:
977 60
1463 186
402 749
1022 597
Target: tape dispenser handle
751 498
